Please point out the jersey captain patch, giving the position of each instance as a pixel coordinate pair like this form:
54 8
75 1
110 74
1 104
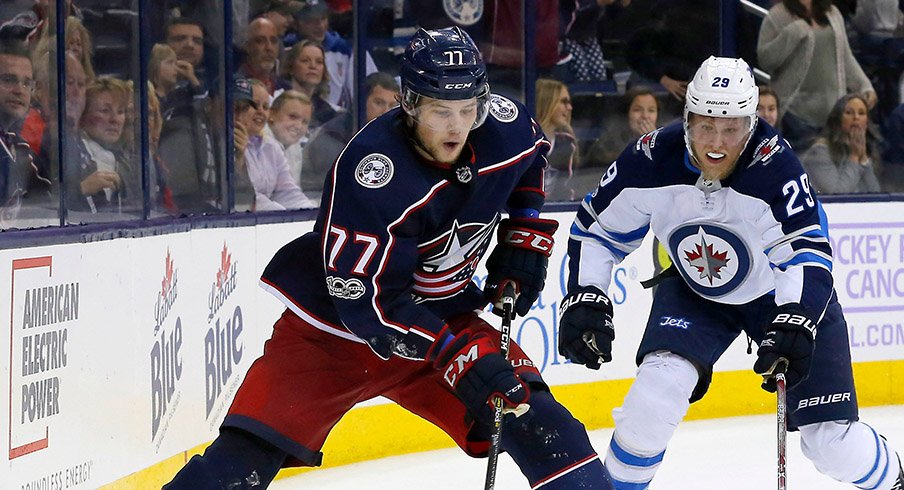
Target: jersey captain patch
713 260
502 109
374 171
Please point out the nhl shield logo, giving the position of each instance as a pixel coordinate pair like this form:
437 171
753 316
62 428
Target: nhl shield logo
503 109
464 12
463 174
374 171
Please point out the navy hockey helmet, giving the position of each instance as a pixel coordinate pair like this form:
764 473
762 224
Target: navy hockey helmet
444 64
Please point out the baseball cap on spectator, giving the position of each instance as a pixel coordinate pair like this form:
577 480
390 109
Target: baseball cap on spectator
313 8
241 91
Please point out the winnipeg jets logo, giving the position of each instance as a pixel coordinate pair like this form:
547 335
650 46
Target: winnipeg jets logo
708 262
646 143
374 171
713 260
464 12
503 109
765 150
449 261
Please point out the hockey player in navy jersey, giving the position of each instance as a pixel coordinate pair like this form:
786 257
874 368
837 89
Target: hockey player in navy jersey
748 239
379 296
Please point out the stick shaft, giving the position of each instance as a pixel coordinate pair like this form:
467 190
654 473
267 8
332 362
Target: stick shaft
489 483
782 426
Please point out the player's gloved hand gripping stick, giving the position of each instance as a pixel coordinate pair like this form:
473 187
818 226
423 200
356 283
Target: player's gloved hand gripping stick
586 331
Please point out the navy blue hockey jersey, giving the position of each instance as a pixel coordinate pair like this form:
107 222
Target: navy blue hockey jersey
760 230
398 239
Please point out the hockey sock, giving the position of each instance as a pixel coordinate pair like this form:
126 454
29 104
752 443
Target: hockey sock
647 419
851 452
237 460
552 448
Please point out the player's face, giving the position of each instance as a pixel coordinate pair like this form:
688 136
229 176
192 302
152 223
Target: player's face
717 143
442 127
767 108
290 122
855 117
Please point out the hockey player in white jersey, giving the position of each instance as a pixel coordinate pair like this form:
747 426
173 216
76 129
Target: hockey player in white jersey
749 242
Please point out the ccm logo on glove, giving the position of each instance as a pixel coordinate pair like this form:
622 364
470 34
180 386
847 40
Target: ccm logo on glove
460 365
530 240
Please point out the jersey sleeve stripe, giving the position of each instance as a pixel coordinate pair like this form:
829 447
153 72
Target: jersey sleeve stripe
807 258
582 235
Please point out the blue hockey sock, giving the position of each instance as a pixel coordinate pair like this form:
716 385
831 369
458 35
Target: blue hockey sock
236 460
552 448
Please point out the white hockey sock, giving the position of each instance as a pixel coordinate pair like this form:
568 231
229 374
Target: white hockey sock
646 421
850 452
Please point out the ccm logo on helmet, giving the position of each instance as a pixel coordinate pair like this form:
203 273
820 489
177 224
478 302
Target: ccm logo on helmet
458 86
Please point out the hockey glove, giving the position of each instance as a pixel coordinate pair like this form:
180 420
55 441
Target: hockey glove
521 256
471 363
789 340
585 329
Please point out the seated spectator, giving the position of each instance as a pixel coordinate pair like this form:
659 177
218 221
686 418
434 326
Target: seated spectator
78 41
767 108
641 114
321 152
289 121
843 160
304 71
161 194
554 116
282 14
261 158
805 48
313 24
106 181
261 53
582 55
16 157
187 139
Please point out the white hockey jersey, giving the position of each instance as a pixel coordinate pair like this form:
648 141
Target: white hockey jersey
759 231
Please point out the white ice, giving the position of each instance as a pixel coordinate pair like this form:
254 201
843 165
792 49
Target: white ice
732 453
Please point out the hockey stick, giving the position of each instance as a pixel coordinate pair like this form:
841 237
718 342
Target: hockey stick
508 304
781 421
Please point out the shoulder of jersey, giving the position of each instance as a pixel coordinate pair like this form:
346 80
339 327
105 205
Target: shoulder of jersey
373 157
504 111
770 153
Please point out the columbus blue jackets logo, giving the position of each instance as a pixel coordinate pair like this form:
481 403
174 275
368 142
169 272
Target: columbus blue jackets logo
712 259
503 109
449 261
464 12
374 171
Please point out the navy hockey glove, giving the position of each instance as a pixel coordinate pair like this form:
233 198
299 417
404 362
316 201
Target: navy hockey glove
789 340
471 363
585 328
521 256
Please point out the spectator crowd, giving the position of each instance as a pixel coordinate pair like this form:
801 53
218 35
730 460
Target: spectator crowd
606 73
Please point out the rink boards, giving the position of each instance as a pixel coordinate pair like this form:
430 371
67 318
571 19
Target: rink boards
124 354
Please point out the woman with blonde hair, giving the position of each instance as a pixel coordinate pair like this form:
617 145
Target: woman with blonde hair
305 71
553 105
78 42
105 179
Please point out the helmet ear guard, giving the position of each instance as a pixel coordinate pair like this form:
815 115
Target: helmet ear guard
722 87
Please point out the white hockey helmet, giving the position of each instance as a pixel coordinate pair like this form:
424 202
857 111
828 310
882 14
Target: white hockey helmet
722 87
